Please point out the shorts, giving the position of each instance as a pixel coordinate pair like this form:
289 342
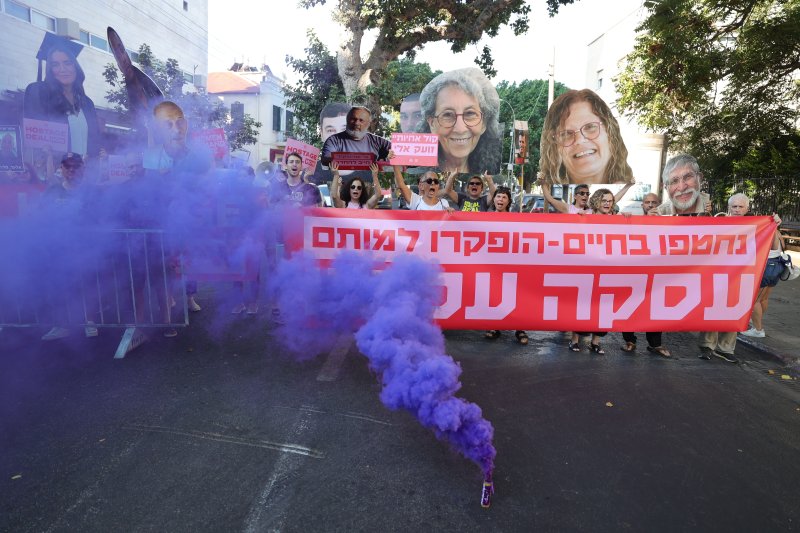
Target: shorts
772 273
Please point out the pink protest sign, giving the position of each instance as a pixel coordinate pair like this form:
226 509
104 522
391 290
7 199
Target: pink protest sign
117 169
43 134
310 154
214 139
415 149
353 160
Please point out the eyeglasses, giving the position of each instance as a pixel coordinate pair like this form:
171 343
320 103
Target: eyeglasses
590 130
582 193
686 178
606 201
355 187
448 118
475 183
431 181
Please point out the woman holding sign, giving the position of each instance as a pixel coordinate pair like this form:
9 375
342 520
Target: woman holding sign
354 195
61 98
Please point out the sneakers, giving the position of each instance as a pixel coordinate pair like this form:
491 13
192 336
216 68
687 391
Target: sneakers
90 329
705 353
238 310
726 357
55 333
753 332
252 308
193 305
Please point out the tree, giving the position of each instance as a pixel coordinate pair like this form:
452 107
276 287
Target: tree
320 83
200 110
717 76
404 26
528 101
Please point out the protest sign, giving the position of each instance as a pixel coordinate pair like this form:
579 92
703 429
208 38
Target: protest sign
415 149
10 149
565 272
310 154
43 134
214 139
353 160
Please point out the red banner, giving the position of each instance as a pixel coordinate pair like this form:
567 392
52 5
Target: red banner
353 160
565 272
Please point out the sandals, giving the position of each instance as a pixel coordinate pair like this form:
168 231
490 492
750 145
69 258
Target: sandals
659 350
521 336
492 334
575 346
596 349
629 347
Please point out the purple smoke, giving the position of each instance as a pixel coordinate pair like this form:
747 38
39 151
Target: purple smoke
391 313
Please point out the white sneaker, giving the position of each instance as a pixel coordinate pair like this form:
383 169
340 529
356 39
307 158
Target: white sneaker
194 306
753 332
90 329
55 333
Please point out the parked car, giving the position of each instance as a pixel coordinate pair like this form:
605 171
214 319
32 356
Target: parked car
534 203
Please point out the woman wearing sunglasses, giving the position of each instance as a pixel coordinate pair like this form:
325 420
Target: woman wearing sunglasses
355 194
429 198
501 203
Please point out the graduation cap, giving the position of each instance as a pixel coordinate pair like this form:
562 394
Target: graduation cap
50 41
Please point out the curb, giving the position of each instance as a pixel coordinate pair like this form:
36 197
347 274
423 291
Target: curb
791 361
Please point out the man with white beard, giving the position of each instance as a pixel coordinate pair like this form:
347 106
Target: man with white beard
356 138
682 181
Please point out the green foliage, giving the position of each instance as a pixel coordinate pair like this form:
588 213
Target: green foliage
319 84
718 77
201 110
529 102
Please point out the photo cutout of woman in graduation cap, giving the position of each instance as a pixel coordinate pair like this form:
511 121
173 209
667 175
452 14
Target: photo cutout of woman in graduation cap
61 98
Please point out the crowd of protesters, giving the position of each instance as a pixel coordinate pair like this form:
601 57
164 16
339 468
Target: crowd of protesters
168 186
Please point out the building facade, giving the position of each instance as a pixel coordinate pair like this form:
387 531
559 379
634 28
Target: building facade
257 92
646 151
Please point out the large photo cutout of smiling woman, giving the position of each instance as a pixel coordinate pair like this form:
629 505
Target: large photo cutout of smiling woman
581 142
461 107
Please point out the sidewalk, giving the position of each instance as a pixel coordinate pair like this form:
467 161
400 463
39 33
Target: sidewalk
782 322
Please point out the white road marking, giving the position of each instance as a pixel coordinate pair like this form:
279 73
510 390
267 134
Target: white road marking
333 364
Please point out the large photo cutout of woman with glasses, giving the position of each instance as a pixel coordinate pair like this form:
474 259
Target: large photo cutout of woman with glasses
581 142
461 107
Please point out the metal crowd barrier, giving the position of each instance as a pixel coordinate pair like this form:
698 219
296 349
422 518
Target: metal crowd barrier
136 281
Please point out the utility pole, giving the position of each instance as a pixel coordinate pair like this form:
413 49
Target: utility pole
551 89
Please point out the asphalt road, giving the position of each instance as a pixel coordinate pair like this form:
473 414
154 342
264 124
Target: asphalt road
225 433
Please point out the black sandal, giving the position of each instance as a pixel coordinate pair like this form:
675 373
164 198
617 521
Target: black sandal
492 334
575 346
596 349
521 336
629 347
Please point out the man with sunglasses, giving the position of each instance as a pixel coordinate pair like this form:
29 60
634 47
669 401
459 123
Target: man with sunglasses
683 181
580 205
474 200
429 197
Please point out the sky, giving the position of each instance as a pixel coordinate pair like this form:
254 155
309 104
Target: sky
242 30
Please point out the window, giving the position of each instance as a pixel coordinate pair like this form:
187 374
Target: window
289 121
237 113
85 37
98 42
276 118
599 79
18 10
133 55
185 5
43 21
187 77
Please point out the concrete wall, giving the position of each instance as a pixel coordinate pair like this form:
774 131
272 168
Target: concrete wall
170 32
